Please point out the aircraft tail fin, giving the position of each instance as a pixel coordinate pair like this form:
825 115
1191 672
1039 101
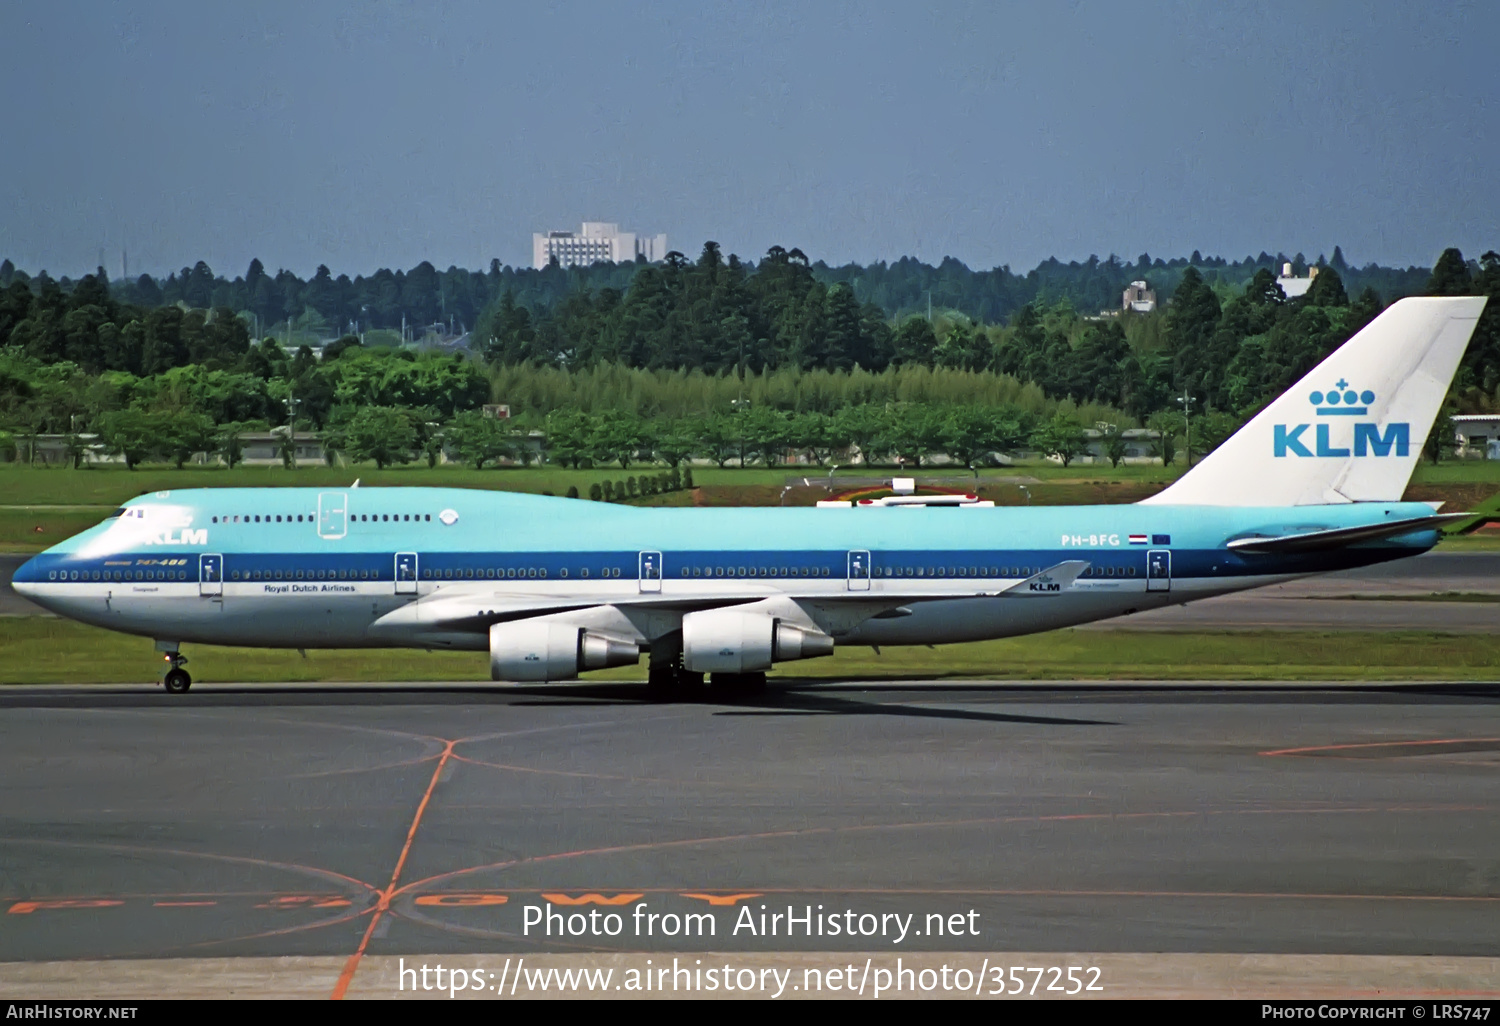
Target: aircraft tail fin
1352 429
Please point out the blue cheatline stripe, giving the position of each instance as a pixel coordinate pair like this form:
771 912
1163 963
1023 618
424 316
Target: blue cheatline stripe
1124 562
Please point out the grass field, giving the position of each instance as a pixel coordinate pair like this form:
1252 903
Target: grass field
111 485
44 650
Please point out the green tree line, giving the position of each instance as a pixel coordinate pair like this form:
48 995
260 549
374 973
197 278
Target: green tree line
767 341
329 305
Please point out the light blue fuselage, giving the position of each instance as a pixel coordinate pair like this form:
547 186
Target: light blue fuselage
307 568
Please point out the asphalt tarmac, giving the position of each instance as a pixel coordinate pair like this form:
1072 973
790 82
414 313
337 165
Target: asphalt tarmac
391 821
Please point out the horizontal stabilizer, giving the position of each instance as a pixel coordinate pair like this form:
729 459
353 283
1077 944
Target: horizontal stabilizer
1337 538
1052 581
1487 512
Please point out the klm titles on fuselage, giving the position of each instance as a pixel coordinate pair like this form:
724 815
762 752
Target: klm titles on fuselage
1342 401
186 536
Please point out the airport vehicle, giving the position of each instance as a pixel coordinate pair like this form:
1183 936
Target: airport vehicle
552 588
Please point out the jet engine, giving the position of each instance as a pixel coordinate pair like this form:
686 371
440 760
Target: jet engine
541 649
729 641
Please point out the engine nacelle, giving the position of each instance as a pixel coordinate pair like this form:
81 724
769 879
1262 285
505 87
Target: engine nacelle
729 641
540 649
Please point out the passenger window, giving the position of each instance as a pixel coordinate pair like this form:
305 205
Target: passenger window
584 572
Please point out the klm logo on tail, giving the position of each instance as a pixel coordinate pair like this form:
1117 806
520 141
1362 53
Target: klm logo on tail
1342 401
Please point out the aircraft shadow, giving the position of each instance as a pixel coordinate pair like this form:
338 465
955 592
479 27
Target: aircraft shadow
782 697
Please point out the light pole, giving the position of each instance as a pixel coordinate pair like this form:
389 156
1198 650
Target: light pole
291 420
739 406
1187 423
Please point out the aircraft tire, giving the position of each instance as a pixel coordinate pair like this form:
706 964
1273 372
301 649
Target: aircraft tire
674 684
739 683
177 681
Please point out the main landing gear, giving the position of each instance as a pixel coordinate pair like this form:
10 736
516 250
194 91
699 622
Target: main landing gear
738 684
177 680
667 680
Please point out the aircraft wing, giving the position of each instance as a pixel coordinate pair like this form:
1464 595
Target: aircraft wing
475 610
1052 581
1339 537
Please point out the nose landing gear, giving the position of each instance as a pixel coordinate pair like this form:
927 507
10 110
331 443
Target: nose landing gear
177 680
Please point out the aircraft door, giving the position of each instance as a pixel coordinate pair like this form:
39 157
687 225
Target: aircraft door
406 573
859 570
210 574
333 520
1159 570
650 571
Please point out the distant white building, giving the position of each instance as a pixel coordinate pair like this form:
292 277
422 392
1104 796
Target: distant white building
1139 298
598 240
1477 434
1294 287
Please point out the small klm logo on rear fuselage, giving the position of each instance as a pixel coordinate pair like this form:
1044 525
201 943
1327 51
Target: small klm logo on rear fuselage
1342 401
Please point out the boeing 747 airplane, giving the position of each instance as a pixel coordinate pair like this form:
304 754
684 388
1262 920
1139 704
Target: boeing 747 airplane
552 588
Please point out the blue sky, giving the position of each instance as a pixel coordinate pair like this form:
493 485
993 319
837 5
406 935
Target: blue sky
381 134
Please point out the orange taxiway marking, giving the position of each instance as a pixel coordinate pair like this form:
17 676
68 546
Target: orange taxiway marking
347 976
724 899
1382 744
592 898
458 899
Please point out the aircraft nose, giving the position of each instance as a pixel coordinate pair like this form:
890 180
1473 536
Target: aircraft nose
27 576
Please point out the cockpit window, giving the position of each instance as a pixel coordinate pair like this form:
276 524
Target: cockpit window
117 513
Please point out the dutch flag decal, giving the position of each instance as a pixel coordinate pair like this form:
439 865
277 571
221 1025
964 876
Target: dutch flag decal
1137 539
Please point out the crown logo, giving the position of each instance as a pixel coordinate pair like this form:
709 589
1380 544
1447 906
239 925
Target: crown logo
1342 401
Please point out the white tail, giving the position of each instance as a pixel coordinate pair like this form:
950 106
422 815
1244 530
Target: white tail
1353 428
